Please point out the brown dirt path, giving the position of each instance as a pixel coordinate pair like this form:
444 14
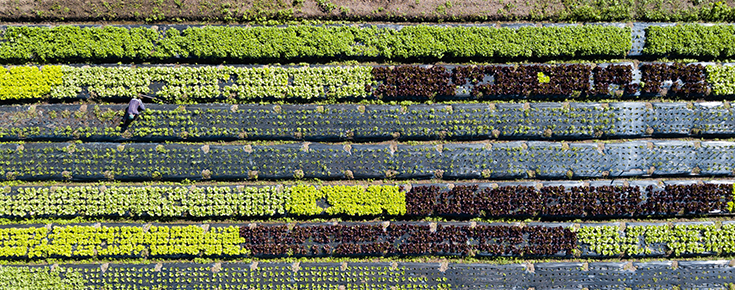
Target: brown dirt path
218 11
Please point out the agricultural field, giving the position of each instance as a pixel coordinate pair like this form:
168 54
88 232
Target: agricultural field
367 145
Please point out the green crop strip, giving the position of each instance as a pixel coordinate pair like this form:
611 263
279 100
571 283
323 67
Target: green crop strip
210 201
29 82
691 40
187 84
677 240
119 241
722 79
72 42
215 44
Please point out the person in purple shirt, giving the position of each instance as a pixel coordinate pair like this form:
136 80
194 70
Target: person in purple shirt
135 107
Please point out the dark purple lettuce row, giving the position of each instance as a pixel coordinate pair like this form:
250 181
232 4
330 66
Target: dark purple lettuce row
561 202
408 238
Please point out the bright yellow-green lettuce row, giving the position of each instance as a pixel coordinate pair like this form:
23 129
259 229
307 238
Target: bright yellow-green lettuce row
276 44
349 200
179 201
28 82
678 239
119 241
358 200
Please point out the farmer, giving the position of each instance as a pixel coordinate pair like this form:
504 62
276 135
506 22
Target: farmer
134 109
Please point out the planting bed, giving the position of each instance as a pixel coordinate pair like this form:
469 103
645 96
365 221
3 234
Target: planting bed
206 44
367 239
365 123
565 200
21 44
546 160
204 202
380 275
557 200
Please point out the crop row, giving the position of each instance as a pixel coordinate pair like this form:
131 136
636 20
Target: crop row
691 40
568 81
379 239
574 202
509 160
203 83
333 84
515 201
210 201
259 44
365 239
321 276
136 240
553 121
369 275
